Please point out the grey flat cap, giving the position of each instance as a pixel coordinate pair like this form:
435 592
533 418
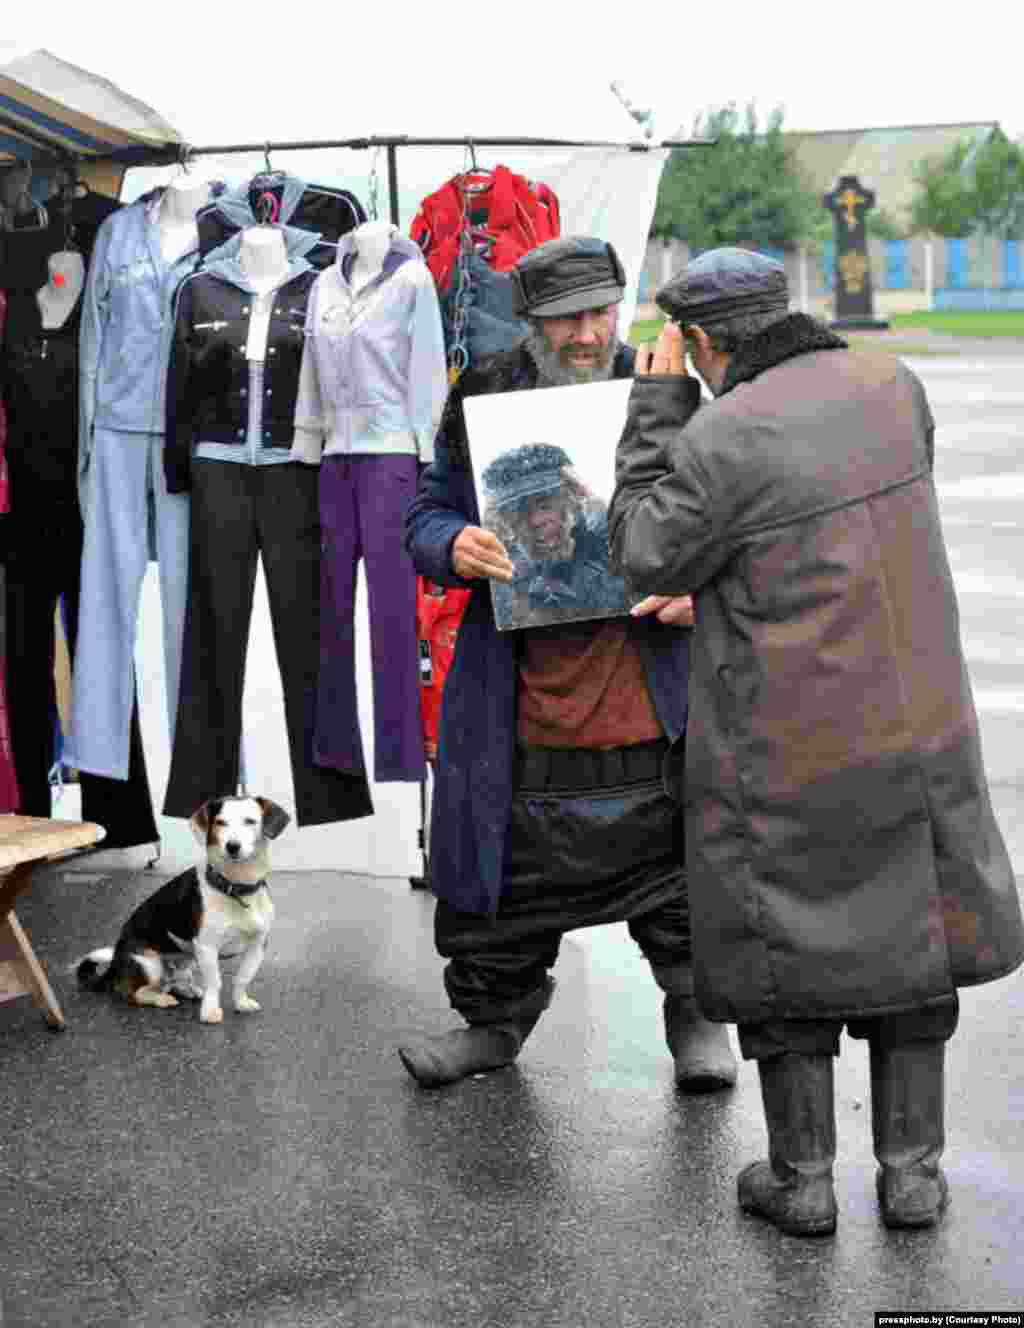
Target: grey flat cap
724 282
525 472
567 276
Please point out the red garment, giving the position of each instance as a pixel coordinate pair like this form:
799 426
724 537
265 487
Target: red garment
438 614
583 685
507 215
5 492
9 800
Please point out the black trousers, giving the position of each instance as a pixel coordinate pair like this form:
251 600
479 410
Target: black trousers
43 565
820 1037
594 837
239 513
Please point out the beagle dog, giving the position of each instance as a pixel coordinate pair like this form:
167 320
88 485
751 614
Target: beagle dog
173 941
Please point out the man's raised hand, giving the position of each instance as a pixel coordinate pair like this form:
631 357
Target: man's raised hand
667 355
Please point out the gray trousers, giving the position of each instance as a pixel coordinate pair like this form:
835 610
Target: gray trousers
125 501
820 1037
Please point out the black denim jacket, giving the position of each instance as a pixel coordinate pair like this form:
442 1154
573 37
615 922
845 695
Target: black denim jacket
208 376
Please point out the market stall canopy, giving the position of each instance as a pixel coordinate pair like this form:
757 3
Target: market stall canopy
50 110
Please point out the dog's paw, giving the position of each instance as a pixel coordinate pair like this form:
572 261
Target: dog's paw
245 1004
214 1016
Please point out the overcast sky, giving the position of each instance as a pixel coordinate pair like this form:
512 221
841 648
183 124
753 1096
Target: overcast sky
315 70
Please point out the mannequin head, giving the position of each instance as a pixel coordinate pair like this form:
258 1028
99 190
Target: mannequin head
14 184
262 254
185 195
372 241
65 279
66 272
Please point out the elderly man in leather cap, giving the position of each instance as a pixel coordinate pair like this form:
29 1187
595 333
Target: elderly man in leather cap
557 800
845 867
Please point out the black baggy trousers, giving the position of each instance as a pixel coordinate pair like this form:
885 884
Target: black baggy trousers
594 837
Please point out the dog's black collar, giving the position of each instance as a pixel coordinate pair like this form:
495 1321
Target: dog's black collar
234 889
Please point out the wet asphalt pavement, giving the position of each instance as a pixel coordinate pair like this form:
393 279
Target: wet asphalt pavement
282 1171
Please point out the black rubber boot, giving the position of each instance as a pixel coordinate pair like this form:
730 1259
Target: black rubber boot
793 1189
704 1060
907 1094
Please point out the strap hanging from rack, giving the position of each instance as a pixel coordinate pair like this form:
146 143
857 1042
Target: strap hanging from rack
373 188
458 351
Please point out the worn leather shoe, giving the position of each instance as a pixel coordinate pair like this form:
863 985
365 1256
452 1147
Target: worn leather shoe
798 1205
911 1196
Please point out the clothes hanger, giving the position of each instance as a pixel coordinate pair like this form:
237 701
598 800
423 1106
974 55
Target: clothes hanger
475 179
266 205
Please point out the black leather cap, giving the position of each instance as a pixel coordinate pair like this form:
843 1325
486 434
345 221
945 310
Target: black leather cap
724 282
567 276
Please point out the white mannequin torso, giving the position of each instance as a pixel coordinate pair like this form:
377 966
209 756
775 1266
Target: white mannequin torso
372 241
60 294
263 258
182 199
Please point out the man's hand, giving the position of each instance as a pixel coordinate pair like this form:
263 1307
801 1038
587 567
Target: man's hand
665 356
672 610
477 552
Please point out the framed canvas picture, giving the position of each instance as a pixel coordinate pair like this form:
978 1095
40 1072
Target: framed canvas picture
544 470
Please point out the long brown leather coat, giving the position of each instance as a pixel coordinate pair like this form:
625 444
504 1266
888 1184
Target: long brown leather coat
842 851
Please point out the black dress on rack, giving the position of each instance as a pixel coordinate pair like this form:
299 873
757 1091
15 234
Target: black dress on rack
41 546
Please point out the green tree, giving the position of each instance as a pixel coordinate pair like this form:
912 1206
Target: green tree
998 187
883 225
943 202
746 189
972 188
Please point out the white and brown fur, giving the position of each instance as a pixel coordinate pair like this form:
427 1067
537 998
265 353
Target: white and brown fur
173 940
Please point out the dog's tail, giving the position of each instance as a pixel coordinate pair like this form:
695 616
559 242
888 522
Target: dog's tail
94 970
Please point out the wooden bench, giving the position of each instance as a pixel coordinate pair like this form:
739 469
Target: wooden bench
25 842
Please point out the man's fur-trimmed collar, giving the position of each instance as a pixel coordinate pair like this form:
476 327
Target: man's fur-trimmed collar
796 334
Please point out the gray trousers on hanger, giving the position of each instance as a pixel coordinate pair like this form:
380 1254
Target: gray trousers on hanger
124 494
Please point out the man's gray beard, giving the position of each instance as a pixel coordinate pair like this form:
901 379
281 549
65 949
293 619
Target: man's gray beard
551 372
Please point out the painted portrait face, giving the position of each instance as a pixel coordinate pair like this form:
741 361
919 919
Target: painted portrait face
545 526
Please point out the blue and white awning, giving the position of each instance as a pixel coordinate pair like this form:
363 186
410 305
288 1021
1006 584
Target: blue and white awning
50 109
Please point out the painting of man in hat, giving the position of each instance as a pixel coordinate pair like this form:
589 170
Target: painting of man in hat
556 533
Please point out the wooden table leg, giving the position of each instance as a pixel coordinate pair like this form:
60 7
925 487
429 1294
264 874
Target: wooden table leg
12 882
22 973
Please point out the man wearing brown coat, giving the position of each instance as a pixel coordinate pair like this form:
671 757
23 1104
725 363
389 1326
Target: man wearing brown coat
845 867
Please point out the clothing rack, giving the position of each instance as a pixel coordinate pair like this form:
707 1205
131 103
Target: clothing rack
392 144
167 154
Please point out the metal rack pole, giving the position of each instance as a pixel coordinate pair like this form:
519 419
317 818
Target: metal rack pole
392 144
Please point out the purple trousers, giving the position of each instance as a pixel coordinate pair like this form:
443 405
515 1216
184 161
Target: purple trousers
363 500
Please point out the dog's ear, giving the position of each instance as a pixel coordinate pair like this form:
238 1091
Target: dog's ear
203 817
275 818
